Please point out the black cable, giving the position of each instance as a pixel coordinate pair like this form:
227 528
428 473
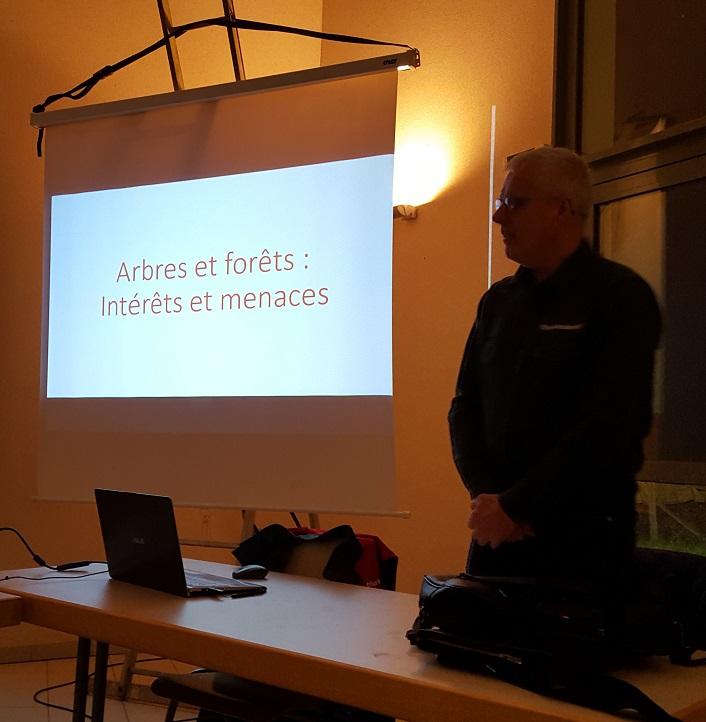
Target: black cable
67 566
51 704
82 89
37 559
242 24
40 562
35 696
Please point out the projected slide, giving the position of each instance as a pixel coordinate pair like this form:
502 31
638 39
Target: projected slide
273 283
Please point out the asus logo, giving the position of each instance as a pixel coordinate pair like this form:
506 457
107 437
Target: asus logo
389 61
138 540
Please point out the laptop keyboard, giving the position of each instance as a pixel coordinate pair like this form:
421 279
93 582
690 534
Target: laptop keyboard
201 579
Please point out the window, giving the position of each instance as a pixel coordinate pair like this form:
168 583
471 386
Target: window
631 96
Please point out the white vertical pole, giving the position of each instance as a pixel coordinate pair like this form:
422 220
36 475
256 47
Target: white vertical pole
491 194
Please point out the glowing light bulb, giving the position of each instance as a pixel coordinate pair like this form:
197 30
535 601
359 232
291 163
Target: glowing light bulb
422 170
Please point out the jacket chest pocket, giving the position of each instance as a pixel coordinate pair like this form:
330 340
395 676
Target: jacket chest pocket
559 345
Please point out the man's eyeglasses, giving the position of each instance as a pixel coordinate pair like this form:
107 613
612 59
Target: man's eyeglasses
511 202
515 202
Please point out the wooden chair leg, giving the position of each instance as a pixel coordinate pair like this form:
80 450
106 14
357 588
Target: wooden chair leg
126 674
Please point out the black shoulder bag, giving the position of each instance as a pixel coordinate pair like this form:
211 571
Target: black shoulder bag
562 637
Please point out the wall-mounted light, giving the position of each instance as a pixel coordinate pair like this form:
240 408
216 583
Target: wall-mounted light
422 169
406 213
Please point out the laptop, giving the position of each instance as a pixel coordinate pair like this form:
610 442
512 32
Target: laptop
142 547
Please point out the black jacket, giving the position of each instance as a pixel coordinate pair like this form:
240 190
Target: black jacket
554 395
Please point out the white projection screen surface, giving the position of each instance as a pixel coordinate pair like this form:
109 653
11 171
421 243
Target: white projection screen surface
217 301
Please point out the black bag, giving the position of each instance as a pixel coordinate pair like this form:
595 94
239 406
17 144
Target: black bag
275 546
561 637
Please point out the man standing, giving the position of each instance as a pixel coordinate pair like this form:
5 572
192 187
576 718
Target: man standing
554 393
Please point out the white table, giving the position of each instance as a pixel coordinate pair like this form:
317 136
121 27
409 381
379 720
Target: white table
337 641
10 610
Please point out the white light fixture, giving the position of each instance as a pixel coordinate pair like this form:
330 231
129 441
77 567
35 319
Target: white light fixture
405 212
422 171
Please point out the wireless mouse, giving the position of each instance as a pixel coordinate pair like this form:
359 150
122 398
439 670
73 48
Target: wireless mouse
250 571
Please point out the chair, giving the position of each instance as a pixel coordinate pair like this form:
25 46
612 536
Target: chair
223 697
220 696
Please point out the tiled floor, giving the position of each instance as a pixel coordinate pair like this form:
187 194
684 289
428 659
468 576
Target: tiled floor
18 682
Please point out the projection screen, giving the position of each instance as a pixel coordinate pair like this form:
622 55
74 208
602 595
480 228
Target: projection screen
217 300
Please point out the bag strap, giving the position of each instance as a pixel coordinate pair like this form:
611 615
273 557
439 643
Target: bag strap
585 687
588 688
610 694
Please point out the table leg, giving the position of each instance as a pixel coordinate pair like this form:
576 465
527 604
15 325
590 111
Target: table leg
83 652
99 680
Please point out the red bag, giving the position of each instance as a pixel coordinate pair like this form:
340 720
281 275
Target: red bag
355 558
377 565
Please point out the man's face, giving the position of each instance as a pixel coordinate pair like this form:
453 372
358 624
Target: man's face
529 221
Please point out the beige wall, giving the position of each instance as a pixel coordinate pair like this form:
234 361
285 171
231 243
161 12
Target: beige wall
47 47
474 54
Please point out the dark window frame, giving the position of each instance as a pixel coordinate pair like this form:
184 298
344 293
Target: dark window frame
672 156
655 162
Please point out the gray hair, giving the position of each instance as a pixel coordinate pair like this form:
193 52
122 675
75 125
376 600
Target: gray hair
559 172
